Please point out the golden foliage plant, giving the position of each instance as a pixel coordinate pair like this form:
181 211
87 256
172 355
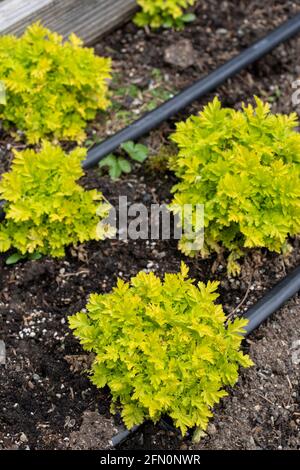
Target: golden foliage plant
244 167
166 13
46 209
53 87
162 347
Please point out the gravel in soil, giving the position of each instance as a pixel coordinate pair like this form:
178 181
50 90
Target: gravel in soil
46 401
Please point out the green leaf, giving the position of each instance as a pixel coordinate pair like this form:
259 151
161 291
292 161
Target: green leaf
2 93
198 435
14 258
124 165
168 23
137 152
89 143
188 17
35 256
128 146
110 160
115 171
115 165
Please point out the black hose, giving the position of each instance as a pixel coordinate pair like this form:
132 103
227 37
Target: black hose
123 435
262 310
194 92
273 300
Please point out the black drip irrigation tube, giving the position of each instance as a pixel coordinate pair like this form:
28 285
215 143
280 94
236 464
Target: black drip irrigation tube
273 300
258 313
194 92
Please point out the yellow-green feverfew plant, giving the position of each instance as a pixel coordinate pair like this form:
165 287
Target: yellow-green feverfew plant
244 166
53 87
166 13
46 209
162 347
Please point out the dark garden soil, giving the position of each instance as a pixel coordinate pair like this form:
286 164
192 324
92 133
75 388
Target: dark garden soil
46 400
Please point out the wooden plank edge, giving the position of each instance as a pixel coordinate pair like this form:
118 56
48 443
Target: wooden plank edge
89 20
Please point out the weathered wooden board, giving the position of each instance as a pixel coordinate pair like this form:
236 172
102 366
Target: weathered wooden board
89 19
